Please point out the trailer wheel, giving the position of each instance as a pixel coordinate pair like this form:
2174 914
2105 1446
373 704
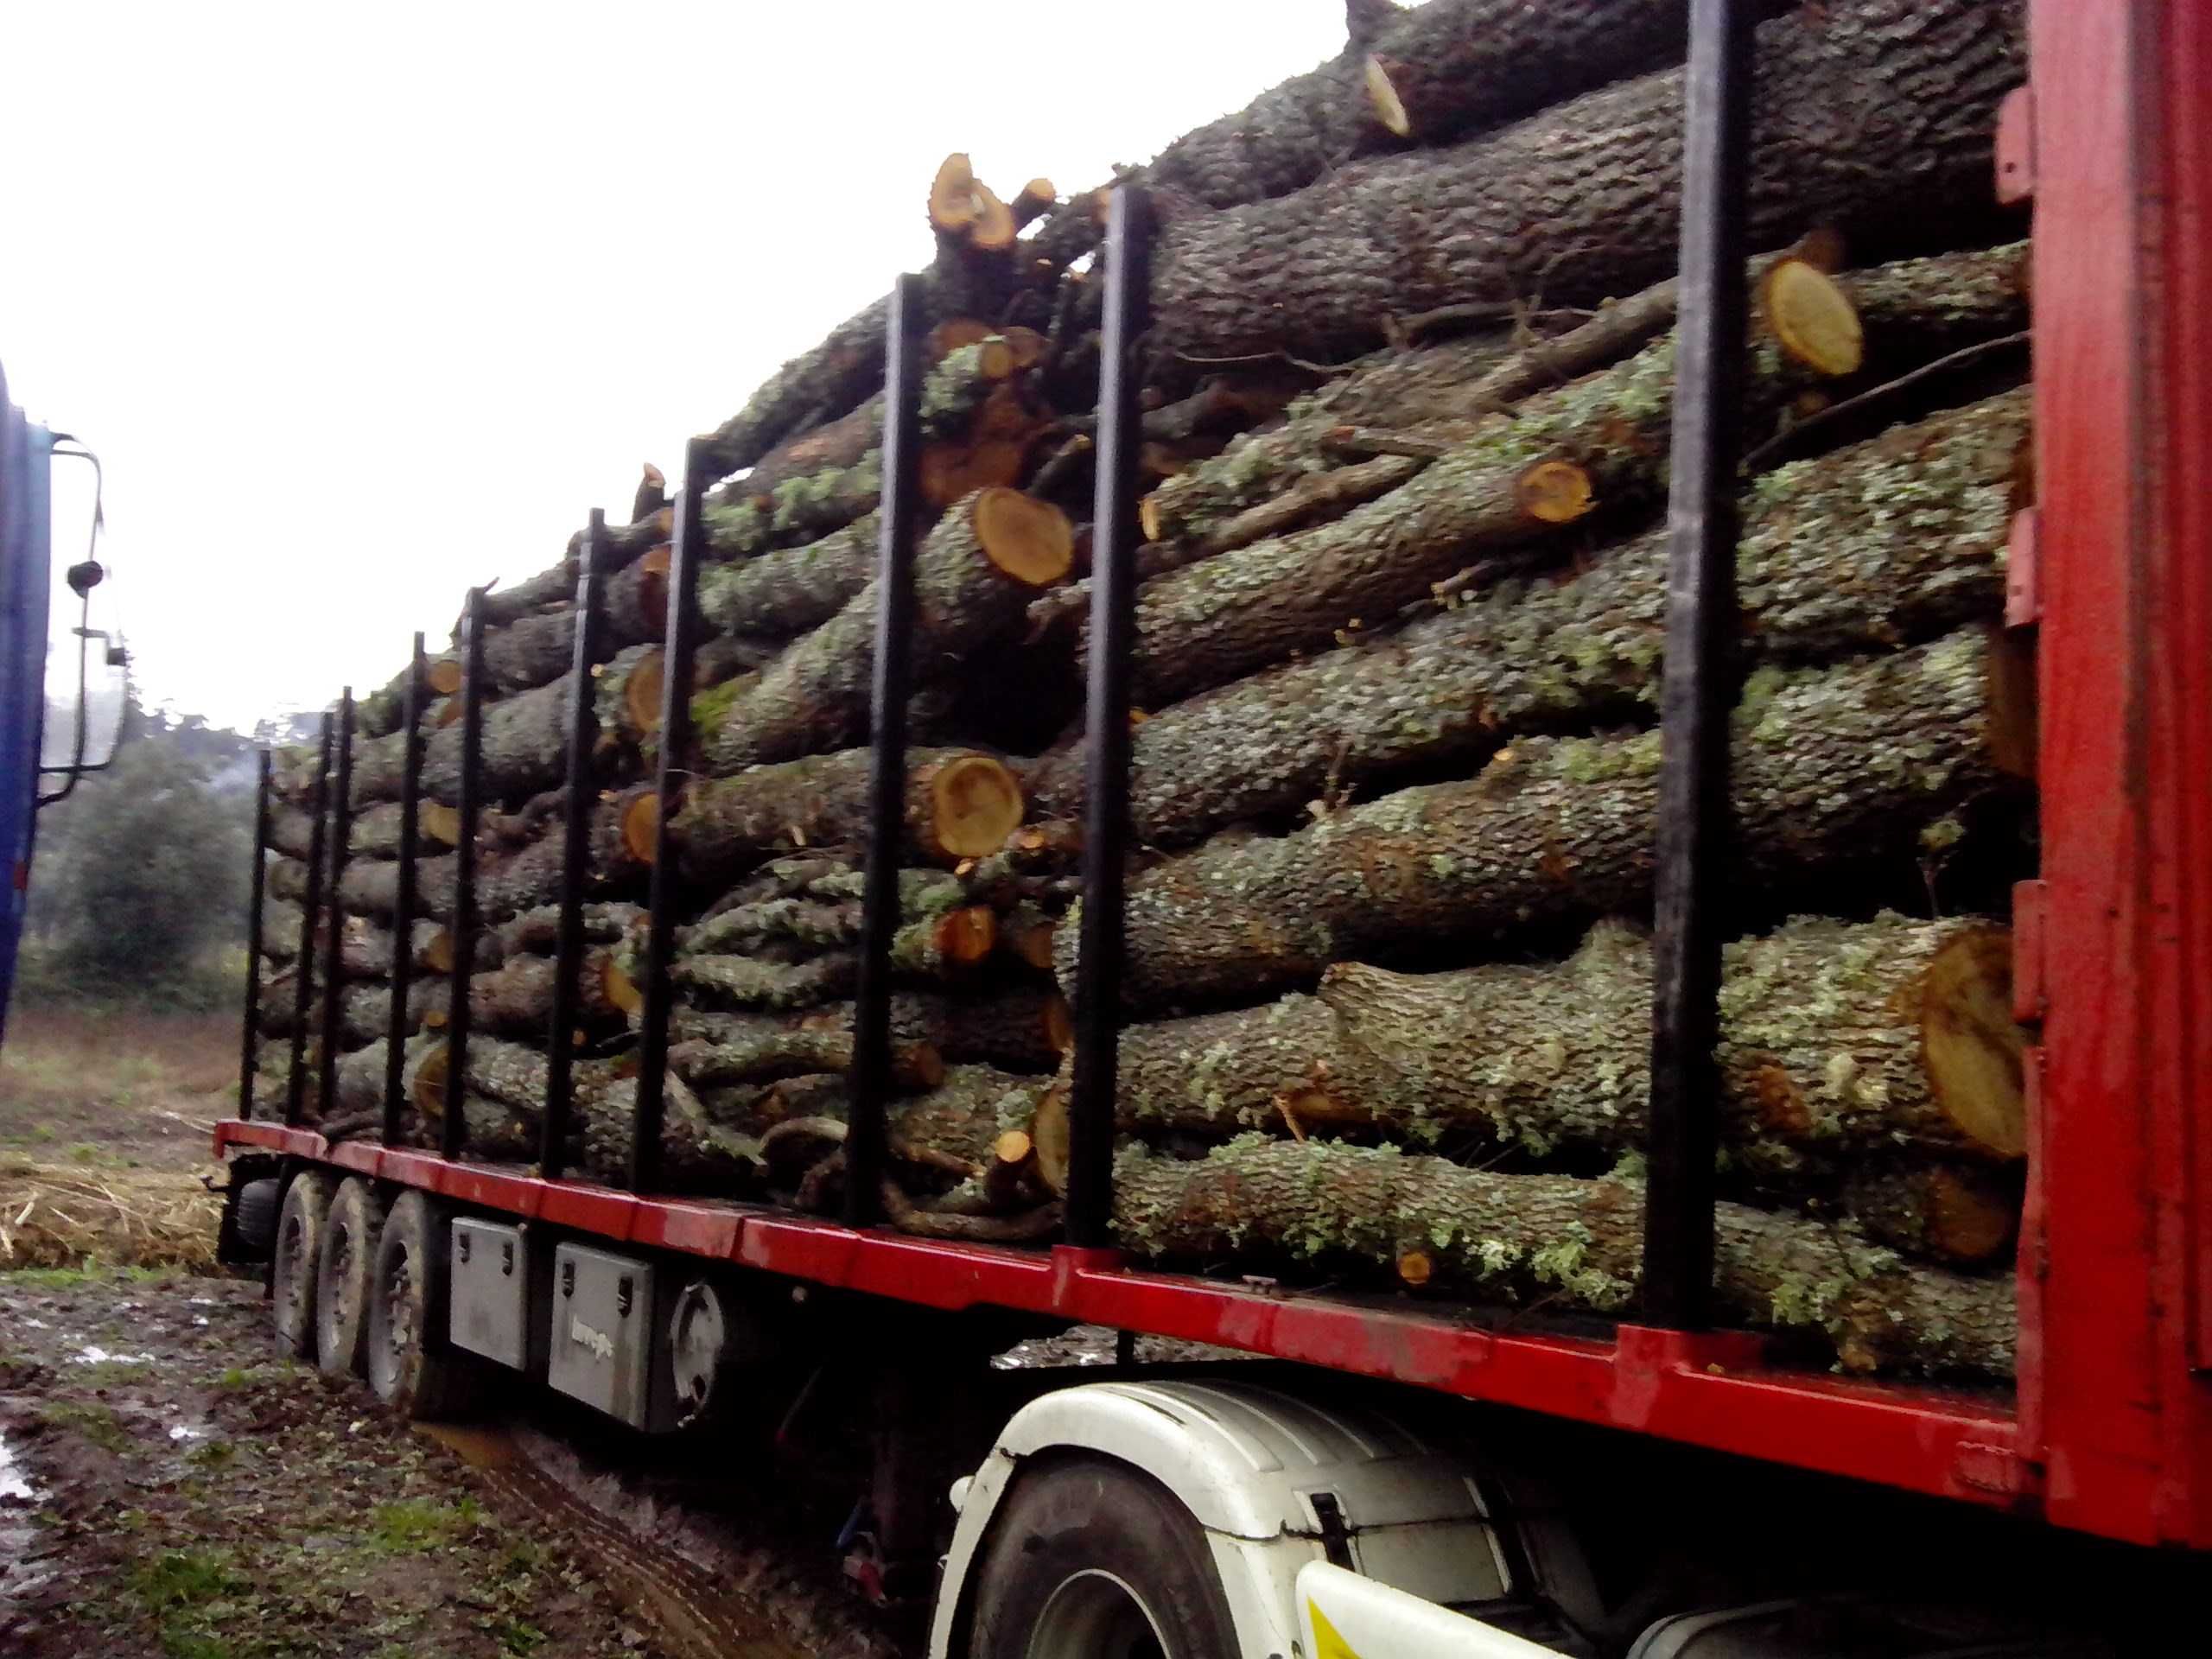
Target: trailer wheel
412 1369
298 1254
342 1280
1091 1557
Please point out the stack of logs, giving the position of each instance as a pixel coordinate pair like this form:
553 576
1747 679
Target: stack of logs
1410 382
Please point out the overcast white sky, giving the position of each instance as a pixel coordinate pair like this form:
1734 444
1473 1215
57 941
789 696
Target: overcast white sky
363 305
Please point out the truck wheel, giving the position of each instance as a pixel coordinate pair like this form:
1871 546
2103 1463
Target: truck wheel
1090 1557
341 1296
413 1370
253 1218
298 1253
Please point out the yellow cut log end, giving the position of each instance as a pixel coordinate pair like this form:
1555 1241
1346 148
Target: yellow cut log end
1553 492
1812 317
1971 1047
640 821
440 823
1027 539
443 675
975 804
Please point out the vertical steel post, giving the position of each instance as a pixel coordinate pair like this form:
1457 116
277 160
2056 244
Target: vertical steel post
675 747
1697 692
894 633
575 846
453 1127
334 943
296 1082
403 924
249 1048
1106 820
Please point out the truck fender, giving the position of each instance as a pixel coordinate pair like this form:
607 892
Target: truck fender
1276 1481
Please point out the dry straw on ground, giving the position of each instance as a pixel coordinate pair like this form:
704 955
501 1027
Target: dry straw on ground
54 1216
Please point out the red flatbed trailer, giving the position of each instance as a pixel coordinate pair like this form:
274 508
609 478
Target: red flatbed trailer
2110 1430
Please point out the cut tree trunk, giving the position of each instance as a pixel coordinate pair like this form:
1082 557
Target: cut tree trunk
954 1125
793 588
972 578
1570 1242
695 1155
796 1052
373 832
1221 619
820 923
959 805
537 932
366 950
1828 764
1872 117
379 713
516 998
1828 564
1024 1029
524 750
947 947
1842 1040
1962 1213
557 586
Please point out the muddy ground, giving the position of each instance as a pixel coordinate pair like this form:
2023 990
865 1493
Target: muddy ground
169 1487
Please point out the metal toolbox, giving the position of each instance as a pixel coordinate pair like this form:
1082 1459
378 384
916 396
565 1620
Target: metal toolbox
488 1311
602 1331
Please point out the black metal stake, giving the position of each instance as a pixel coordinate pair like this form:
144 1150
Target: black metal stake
452 1127
675 746
296 1082
1106 818
894 630
584 731
249 1048
1697 691
403 928
334 942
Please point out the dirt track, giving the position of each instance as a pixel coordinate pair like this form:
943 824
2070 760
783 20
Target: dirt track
171 1489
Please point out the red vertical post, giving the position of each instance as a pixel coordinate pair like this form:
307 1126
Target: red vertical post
2114 1262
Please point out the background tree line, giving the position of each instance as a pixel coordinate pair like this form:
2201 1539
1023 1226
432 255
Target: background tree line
138 885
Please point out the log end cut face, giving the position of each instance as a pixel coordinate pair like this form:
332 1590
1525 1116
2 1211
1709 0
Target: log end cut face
1971 1046
1029 540
1813 317
975 804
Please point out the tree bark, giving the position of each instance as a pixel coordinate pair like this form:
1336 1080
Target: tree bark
1892 540
1016 1029
959 805
537 932
1220 618
557 586
972 578
372 832
945 947
1843 1039
1967 1214
1827 763
516 998
1582 200
793 588
1570 1242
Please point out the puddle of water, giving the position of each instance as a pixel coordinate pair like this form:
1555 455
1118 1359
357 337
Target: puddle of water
31 1324
185 1432
15 1485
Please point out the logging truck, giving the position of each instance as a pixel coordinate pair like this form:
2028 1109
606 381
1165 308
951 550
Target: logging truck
1517 738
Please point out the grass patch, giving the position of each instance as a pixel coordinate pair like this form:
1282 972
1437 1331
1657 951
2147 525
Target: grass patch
180 1577
97 1424
87 1275
113 1373
413 1525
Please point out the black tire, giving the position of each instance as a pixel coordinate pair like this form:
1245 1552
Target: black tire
253 1217
342 1280
1089 1556
412 1369
295 1260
